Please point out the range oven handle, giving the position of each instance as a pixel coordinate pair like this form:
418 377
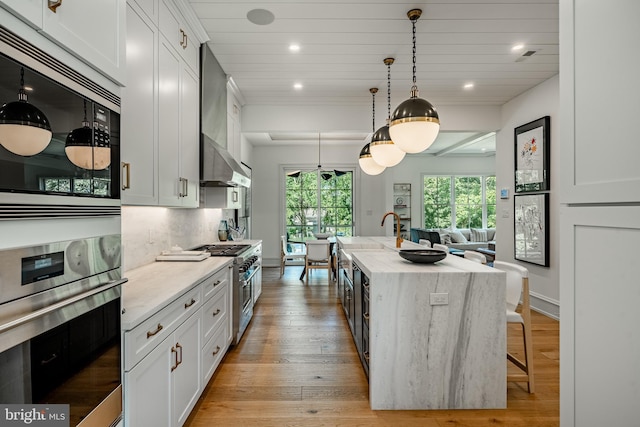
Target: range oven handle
57 306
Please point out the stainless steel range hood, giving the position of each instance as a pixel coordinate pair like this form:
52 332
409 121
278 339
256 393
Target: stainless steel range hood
218 168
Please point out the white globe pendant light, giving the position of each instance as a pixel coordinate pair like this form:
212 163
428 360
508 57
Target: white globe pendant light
415 123
24 129
366 161
382 148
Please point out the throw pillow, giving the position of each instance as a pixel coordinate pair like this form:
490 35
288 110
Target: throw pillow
457 237
478 235
445 239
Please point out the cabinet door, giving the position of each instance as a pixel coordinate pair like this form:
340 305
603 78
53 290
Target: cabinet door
138 119
29 11
168 126
186 376
147 393
189 137
94 31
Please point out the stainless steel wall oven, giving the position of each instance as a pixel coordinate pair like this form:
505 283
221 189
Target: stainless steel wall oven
60 338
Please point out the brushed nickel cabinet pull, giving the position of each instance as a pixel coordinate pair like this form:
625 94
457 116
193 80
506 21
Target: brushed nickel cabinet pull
190 303
126 179
366 316
217 283
366 356
217 350
49 360
215 313
152 333
53 5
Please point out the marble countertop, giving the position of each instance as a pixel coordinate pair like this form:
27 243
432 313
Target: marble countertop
153 286
375 242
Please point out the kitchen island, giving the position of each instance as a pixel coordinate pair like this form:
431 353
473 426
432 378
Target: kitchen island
433 336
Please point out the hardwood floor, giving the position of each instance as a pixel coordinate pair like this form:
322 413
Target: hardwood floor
297 366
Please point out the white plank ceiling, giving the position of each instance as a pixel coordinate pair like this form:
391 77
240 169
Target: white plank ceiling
343 44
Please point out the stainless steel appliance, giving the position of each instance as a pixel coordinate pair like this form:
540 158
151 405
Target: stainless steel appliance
247 277
60 333
84 118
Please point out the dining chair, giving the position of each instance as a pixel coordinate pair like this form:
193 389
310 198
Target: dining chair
475 256
517 288
288 255
441 247
318 257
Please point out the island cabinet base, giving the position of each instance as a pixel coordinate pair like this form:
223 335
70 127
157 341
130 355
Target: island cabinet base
446 351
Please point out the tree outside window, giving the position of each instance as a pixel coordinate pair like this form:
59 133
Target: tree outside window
318 201
459 201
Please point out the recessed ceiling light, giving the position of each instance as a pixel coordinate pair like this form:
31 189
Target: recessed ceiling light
297 86
468 86
260 16
294 47
517 47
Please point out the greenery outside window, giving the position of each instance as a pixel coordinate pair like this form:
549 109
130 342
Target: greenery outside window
318 202
459 201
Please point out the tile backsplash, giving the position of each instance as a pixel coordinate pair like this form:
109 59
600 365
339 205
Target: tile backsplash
147 231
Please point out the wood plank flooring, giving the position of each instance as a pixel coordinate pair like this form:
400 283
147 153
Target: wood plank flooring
297 366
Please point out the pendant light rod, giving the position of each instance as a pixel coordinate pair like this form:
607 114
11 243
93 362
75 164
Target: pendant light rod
388 62
319 165
414 15
373 91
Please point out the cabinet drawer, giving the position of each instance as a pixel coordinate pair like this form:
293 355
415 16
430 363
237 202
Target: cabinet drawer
143 338
214 312
213 352
215 283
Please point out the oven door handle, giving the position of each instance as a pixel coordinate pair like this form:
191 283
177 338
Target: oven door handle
57 306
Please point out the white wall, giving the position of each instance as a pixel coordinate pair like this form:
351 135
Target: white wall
542 100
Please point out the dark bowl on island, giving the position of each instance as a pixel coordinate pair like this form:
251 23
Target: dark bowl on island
423 256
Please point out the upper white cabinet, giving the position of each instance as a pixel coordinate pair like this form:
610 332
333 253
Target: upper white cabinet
93 31
29 11
139 112
160 152
599 156
179 35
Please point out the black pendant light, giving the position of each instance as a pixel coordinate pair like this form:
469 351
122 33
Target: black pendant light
24 129
415 123
366 162
383 150
83 151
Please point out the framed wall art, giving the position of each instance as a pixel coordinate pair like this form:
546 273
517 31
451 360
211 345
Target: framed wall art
531 228
532 156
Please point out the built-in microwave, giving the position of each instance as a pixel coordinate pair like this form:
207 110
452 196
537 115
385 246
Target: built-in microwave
81 161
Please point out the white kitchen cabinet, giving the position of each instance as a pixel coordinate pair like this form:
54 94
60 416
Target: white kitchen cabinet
29 11
139 146
160 155
93 31
221 197
164 387
178 130
98 42
179 35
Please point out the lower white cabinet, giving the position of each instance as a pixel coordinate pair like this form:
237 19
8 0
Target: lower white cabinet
169 357
164 387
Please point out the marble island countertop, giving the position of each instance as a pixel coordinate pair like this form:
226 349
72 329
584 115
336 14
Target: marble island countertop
153 286
375 242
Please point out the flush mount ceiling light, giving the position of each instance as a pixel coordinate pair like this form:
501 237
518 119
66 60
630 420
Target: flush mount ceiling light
383 150
366 162
81 149
260 16
24 129
415 122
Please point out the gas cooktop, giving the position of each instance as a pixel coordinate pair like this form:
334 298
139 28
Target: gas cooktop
223 249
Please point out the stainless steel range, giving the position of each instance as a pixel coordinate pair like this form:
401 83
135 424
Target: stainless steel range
247 280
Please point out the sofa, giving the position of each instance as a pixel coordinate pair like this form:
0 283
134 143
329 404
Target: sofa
460 238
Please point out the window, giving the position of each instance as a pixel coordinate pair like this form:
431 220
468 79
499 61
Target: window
318 201
459 201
